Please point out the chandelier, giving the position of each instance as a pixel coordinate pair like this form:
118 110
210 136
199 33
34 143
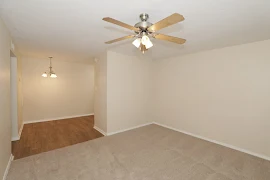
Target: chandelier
51 72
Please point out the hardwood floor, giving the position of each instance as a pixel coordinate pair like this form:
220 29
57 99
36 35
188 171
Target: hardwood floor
46 136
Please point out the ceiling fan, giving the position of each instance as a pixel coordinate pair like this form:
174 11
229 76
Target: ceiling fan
144 29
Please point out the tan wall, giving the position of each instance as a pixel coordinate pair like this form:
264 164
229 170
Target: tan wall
5 120
222 94
128 89
100 106
70 94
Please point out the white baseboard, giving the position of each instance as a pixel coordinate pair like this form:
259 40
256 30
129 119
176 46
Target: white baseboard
100 130
216 142
135 127
58 118
8 166
191 134
16 138
19 135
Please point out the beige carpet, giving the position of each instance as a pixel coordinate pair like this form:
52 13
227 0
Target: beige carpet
147 153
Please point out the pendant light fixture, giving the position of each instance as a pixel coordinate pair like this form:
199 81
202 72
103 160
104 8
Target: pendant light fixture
51 72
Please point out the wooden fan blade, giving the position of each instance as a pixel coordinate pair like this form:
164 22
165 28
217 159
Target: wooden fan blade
168 21
170 38
120 39
119 23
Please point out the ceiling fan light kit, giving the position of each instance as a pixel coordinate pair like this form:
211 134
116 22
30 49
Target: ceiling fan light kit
137 42
145 30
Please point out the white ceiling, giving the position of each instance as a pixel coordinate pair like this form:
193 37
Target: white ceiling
73 29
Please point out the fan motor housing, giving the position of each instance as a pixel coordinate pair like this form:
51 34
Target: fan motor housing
144 24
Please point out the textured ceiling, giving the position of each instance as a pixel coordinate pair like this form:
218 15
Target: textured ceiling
73 29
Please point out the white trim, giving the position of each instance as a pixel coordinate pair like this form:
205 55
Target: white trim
20 133
217 142
135 127
8 167
165 126
58 118
21 129
17 138
100 130
14 97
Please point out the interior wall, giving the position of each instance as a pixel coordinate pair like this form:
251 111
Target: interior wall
100 105
128 90
221 94
70 94
5 119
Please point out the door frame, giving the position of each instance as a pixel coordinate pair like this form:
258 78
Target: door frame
14 96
